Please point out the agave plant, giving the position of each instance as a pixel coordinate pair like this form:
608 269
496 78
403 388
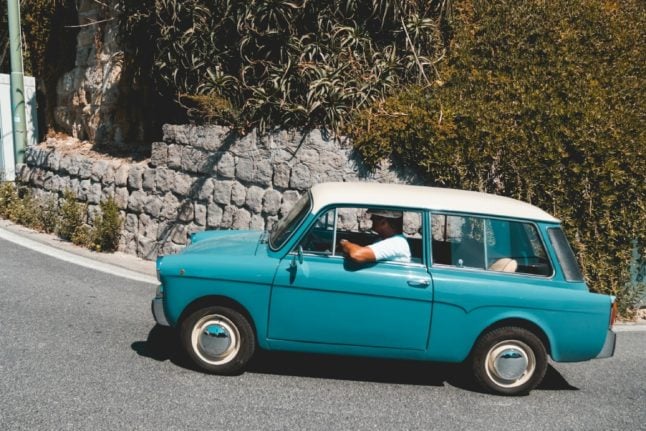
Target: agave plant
289 62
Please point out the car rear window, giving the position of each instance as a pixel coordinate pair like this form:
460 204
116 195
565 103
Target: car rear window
565 255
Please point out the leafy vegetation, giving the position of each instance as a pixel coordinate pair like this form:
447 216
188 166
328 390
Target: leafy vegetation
542 102
72 218
48 215
68 220
107 226
282 63
20 207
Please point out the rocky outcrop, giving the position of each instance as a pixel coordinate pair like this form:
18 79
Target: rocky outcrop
88 95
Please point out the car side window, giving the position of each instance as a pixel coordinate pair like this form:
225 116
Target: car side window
516 247
320 238
458 241
488 244
354 224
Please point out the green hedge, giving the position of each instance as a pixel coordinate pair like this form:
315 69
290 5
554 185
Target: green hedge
541 101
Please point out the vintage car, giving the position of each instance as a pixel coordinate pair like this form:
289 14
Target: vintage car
491 282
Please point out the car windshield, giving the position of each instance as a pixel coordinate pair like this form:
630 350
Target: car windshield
285 227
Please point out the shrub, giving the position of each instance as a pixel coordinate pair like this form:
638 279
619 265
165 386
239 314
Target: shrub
26 211
72 219
36 17
83 236
543 102
68 221
48 215
49 47
8 198
19 206
107 226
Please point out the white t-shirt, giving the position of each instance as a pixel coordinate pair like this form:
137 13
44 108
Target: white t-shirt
394 248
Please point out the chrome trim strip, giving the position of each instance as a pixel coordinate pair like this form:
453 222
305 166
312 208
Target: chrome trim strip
336 218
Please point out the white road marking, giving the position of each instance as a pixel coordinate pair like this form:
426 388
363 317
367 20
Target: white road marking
76 259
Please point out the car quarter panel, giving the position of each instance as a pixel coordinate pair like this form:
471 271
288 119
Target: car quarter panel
467 302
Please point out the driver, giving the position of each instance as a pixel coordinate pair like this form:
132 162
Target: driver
394 246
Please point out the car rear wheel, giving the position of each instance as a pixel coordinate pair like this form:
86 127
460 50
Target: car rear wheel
509 361
219 340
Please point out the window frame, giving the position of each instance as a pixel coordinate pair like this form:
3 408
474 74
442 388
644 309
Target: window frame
425 224
565 255
297 224
484 217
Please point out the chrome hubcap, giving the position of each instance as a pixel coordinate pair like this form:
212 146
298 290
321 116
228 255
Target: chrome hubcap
510 363
215 339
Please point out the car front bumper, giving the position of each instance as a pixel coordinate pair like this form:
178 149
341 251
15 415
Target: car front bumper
608 349
158 311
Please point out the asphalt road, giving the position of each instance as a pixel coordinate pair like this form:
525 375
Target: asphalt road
79 350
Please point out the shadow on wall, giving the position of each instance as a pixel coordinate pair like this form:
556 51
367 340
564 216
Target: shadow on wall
134 122
405 175
60 58
138 110
176 226
181 227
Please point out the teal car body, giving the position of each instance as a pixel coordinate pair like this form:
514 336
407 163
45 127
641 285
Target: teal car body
296 299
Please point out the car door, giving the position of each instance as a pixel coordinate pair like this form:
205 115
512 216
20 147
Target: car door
483 268
318 296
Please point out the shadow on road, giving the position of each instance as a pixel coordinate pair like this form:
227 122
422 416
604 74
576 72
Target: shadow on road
163 345
554 381
360 369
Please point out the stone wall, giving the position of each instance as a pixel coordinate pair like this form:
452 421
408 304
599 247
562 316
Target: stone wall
197 178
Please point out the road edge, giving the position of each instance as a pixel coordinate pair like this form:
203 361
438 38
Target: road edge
74 258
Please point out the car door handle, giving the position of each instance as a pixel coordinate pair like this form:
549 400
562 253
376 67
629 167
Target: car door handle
419 282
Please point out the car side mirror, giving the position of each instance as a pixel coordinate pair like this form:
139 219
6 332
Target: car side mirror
300 254
298 257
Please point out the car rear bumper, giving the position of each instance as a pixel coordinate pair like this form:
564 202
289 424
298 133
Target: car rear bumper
608 349
158 311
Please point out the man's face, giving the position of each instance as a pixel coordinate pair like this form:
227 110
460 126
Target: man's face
378 223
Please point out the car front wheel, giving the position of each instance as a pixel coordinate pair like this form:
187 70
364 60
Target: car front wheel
219 340
509 361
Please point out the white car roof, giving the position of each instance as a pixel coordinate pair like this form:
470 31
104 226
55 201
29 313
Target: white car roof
433 198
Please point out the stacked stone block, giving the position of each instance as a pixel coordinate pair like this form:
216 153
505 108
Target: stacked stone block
198 178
